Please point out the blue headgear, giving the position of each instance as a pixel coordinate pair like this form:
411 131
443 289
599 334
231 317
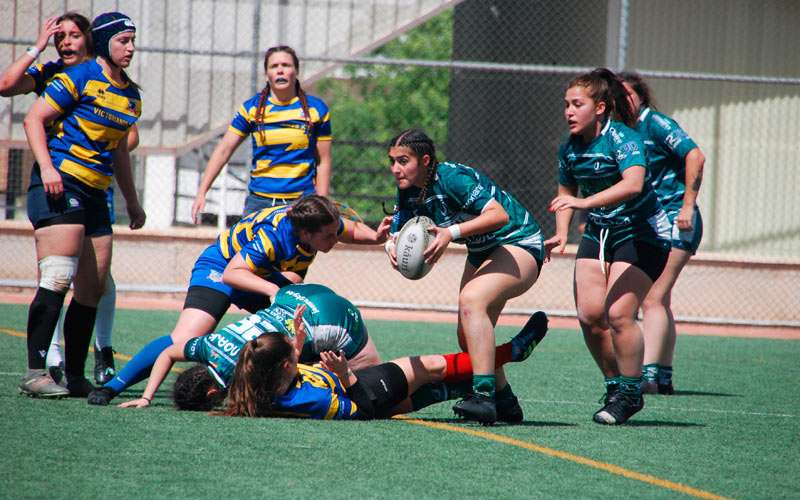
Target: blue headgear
107 26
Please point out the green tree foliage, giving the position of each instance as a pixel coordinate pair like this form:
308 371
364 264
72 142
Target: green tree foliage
371 104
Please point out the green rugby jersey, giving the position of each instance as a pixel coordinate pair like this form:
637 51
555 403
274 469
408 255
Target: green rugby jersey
667 146
460 193
598 165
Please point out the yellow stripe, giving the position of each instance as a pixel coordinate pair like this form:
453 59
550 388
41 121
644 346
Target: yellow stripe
86 175
265 168
68 84
283 196
236 131
110 100
98 132
53 103
606 467
84 154
294 138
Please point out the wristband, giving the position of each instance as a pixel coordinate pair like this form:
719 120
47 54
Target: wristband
149 401
389 246
455 231
33 51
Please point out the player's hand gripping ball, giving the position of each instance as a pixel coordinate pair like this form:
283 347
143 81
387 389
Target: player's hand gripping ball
411 242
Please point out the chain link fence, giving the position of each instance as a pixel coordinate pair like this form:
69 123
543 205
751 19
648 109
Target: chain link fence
486 80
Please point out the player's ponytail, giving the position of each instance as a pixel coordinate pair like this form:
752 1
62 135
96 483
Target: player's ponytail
258 376
420 144
639 86
311 213
605 86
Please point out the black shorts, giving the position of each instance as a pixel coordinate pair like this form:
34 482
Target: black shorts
80 204
217 303
649 258
386 386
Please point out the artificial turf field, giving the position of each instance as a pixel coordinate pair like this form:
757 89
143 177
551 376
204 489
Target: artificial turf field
732 430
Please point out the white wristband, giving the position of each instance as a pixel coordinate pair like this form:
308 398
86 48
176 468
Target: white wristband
389 246
455 230
33 51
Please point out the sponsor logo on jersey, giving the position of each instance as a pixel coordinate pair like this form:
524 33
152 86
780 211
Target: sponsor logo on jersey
215 276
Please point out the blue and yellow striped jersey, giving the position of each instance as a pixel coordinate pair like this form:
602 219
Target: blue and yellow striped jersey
316 393
96 113
44 72
267 243
284 151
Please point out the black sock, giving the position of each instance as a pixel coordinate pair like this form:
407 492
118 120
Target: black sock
78 327
42 318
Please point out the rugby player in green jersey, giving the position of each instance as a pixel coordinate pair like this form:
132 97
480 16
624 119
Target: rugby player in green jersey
676 165
626 241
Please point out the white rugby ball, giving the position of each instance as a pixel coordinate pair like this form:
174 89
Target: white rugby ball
411 242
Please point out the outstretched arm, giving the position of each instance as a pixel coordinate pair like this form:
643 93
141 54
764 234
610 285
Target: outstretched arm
159 372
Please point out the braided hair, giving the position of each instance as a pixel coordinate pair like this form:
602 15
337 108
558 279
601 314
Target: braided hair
301 94
420 144
605 86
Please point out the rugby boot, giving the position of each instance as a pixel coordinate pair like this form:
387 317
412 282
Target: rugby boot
104 369
478 408
523 343
619 409
39 384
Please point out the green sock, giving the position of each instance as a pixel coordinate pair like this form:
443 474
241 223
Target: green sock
429 394
630 385
611 381
650 372
484 384
664 375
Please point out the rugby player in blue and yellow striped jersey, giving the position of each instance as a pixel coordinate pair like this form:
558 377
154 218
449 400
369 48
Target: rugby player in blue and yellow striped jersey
72 38
290 132
247 266
78 134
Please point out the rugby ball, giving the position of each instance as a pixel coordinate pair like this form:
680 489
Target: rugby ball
411 242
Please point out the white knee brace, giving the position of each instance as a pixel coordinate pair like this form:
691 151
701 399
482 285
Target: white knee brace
56 272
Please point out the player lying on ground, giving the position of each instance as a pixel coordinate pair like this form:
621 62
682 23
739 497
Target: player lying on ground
269 381
329 322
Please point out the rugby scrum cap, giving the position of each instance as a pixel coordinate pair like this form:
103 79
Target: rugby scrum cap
107 26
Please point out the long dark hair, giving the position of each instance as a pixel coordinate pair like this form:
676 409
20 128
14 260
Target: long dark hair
605 86
258 376
311 213
641 87
420 144
83 24
301 94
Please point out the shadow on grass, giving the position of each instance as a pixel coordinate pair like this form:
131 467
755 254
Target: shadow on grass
705 393
661 423
524 423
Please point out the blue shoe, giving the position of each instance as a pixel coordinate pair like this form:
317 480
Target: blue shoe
523 343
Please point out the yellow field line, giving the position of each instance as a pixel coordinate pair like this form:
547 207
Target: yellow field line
610 468
117 355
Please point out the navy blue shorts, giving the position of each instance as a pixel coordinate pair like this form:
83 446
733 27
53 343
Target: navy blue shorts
80 204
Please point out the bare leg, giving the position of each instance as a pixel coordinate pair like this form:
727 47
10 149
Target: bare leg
368 356
659 323
590 293
628 286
